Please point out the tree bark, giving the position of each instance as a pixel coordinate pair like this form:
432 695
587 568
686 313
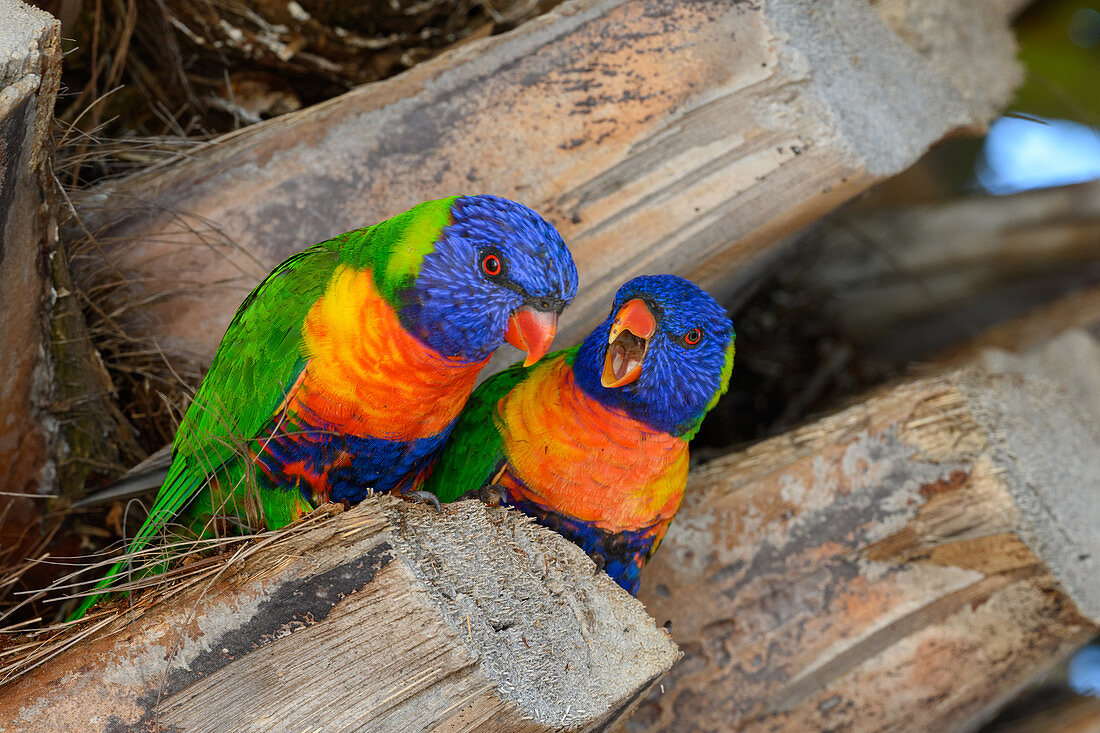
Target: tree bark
30 68
387 617
906 282
658 136
908 563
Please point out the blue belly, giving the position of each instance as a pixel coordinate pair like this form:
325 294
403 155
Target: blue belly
354 466
624 553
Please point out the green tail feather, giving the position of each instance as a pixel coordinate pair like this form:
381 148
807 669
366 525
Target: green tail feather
178 488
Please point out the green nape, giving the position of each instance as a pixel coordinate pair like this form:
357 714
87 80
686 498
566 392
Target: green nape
723 387
394 249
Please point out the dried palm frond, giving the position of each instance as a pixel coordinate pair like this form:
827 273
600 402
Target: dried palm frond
28 643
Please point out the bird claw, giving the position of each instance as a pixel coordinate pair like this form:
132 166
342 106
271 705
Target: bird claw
600 560
491 495
425 497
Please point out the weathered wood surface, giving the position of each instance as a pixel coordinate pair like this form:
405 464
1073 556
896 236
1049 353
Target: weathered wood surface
387 617
909 281
657 135
905 564
30 68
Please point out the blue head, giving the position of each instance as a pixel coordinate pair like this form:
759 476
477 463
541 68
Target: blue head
664 354
498 271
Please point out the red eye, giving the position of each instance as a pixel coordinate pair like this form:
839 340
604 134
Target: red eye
491 265
693 337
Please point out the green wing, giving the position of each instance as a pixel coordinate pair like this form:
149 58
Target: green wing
474 451
256 364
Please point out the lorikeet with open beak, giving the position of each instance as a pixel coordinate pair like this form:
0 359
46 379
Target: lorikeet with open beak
345 369
593 441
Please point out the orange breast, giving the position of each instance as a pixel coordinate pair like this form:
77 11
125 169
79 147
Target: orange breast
588 461
367 376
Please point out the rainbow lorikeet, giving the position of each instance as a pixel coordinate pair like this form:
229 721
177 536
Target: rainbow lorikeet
344 371
593 441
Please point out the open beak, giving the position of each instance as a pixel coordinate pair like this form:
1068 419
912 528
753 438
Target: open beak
532 331
627 344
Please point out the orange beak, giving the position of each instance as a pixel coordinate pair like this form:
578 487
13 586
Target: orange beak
531 331
627 344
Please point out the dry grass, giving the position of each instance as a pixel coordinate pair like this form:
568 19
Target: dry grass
31 642
168 69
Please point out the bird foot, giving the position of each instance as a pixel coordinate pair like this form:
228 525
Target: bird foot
600 560
492 495
424 497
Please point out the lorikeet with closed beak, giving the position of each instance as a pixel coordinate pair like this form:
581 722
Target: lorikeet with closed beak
593 441
344 371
